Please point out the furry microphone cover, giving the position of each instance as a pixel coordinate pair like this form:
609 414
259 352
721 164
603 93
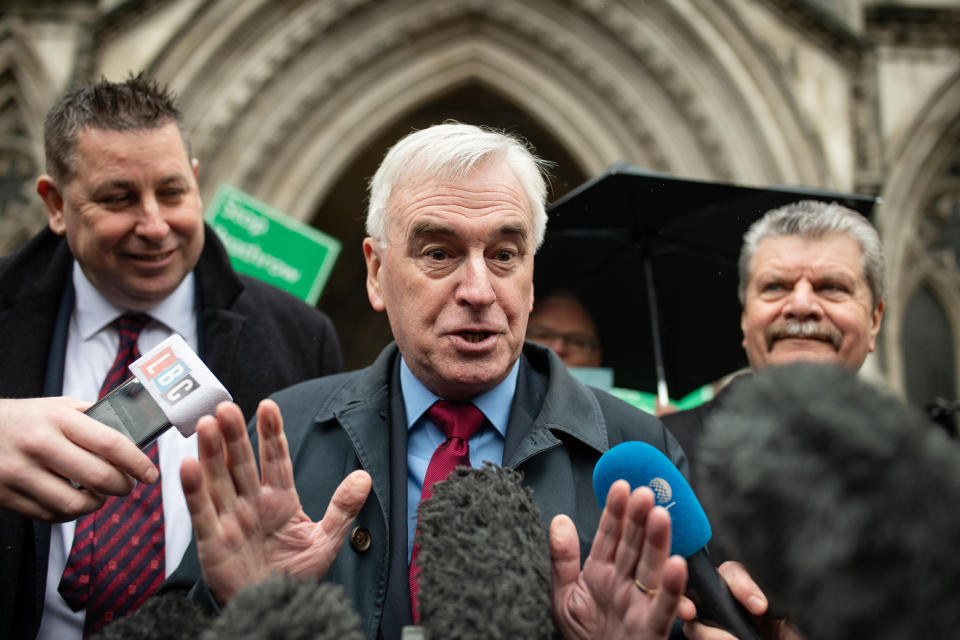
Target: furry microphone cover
286 608
840 501
484 558
165 616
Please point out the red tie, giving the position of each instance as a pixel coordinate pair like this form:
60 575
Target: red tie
459 421
116 560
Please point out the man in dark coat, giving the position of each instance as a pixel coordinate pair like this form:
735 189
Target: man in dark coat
812 289
456 214
126 234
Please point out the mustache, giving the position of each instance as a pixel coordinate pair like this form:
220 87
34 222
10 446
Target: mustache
805 329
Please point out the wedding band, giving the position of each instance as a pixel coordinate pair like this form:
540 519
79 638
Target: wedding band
646 590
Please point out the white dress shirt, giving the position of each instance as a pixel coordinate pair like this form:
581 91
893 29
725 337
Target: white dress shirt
91 348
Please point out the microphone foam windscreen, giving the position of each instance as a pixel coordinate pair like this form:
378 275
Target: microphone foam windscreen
643 465
484 558
287 608
165 616
840 501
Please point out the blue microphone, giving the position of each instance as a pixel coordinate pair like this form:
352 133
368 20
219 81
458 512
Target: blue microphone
643 465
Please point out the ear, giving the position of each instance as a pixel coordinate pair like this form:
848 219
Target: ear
371 253
195 165
530 310
876 319
53 200
743 328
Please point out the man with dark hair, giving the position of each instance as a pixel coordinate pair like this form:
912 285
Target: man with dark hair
561 322
126 262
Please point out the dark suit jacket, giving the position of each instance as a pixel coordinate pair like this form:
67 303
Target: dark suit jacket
255 338
558 428
687 426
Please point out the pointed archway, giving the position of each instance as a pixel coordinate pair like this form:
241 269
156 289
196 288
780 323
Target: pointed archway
340 211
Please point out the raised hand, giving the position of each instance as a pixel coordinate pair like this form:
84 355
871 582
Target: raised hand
248 527
629 587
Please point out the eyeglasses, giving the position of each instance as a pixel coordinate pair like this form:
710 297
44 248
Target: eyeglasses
583 342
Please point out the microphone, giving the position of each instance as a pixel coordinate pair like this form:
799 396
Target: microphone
840 500
287 608
171 387
641 464
165 616
484 558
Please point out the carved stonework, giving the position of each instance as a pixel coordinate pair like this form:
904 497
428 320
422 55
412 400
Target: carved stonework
891 25
670 76
940 228
313 24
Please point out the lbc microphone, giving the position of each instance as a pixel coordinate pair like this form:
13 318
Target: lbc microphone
287 608
485 565
839 500
643 465
171 387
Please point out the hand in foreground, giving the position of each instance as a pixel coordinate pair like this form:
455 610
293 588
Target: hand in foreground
247 528
47 442
746 591
631 546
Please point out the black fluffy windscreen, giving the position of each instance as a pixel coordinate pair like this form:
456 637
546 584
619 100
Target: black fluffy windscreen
286 608
165 616
484 558
841 502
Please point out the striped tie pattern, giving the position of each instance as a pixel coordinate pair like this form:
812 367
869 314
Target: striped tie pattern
117 557
458 421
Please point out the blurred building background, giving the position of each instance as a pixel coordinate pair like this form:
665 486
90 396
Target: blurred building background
295 102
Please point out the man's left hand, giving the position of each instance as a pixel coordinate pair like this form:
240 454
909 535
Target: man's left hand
629 587
246 527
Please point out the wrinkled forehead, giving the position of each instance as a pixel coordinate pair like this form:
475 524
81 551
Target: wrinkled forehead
810 251
489 188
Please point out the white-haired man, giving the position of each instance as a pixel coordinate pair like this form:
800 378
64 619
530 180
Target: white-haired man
456 214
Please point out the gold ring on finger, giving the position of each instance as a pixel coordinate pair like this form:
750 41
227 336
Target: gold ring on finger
645 589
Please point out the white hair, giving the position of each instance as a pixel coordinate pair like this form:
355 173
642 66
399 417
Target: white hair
452 150
813 219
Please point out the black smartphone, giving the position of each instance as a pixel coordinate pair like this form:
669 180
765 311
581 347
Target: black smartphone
132 411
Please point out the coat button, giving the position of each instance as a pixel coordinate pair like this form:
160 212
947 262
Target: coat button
360 539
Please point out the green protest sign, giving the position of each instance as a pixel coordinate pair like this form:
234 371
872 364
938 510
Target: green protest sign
267 244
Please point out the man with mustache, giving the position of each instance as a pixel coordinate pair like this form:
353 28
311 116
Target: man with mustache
125 262
812 288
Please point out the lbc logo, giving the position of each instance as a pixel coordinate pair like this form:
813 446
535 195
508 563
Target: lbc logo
170 375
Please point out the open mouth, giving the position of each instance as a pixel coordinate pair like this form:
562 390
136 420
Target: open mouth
474 336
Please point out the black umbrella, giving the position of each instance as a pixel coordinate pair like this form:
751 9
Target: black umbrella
654 259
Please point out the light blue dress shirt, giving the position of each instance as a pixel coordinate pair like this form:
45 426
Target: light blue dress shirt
423 437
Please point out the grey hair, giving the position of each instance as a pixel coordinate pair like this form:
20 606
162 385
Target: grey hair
814 219
452 150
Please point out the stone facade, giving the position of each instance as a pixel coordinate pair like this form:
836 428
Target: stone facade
295 101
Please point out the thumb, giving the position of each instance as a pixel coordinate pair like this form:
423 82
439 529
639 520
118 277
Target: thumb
346 503
564 554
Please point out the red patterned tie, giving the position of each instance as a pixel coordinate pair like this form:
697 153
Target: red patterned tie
458 421
116 560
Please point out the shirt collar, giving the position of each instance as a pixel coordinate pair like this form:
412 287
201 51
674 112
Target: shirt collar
94 311
494 404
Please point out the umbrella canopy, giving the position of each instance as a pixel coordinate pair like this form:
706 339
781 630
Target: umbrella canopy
654 257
